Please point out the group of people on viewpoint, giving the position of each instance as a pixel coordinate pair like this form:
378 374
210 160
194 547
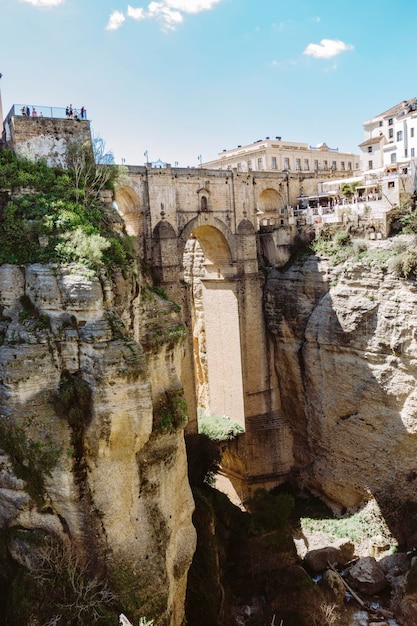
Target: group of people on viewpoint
71 114
26 112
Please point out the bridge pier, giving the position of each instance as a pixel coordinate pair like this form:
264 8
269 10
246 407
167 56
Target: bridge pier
228 366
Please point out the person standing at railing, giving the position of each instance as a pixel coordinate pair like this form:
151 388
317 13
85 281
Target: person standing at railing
82 113
27 111
34 113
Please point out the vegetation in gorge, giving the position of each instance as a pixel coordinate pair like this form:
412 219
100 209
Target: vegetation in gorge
218 427
59 217
56 589
32 459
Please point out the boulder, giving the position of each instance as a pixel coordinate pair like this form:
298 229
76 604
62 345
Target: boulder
316 560
335 584
366 576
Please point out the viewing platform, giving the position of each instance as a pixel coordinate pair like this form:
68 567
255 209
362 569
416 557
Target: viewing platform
35 111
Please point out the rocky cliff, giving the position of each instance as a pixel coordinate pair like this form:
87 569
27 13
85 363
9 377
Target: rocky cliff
345 353
92 454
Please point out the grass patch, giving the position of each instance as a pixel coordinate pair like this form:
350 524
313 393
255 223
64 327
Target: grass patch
218 427
314 516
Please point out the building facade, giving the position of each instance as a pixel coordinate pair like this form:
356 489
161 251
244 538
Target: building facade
285 156
390 137
389 152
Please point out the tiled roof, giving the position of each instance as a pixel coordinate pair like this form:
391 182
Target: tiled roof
370 142
397 108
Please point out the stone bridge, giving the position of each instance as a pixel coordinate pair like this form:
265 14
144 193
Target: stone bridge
199 231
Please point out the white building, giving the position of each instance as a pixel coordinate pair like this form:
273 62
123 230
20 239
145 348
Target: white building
389 152
289 156
390 137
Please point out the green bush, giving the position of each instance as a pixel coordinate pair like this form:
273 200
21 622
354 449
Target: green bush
32 459
61 219
406 264
218 427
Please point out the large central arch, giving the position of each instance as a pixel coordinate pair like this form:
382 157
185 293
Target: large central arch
212 292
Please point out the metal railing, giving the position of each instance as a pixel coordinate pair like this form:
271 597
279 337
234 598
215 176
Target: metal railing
25 110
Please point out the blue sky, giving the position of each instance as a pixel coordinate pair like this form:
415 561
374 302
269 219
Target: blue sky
183 78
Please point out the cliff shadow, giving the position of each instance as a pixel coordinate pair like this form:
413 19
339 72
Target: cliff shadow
344 354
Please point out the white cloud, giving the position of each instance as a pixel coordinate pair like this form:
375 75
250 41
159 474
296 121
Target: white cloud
169 17
44 3
169 12
136 14
116 19
190 6
327 48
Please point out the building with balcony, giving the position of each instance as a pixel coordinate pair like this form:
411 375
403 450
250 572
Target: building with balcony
272 155
389 152
390 137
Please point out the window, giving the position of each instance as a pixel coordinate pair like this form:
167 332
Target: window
380 122
260 163
412 152
239 167
334 165
391 133
356 166
298 164
399 135
390 121
306 164
316 166
411 132
286 163
369 148
325 164
405 170
203 204
370 165
249 166
349 165
342 165
273 163
394 157
405 152
391 184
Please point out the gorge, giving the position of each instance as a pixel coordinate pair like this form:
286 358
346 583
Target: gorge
107 350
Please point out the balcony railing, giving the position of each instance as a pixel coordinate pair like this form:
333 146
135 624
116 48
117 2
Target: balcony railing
25 110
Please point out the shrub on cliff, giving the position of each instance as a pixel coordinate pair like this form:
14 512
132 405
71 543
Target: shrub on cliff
406 264
336 246
59 218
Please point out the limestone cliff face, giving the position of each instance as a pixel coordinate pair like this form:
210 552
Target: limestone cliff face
92 448
346 354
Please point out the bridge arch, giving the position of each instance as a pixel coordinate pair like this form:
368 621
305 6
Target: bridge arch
270 200
213 303
214 235
127 204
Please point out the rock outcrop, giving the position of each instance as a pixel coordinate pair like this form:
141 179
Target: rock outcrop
92 448
345 352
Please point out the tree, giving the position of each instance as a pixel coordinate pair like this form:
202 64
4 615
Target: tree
348 189
100 155
90 177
